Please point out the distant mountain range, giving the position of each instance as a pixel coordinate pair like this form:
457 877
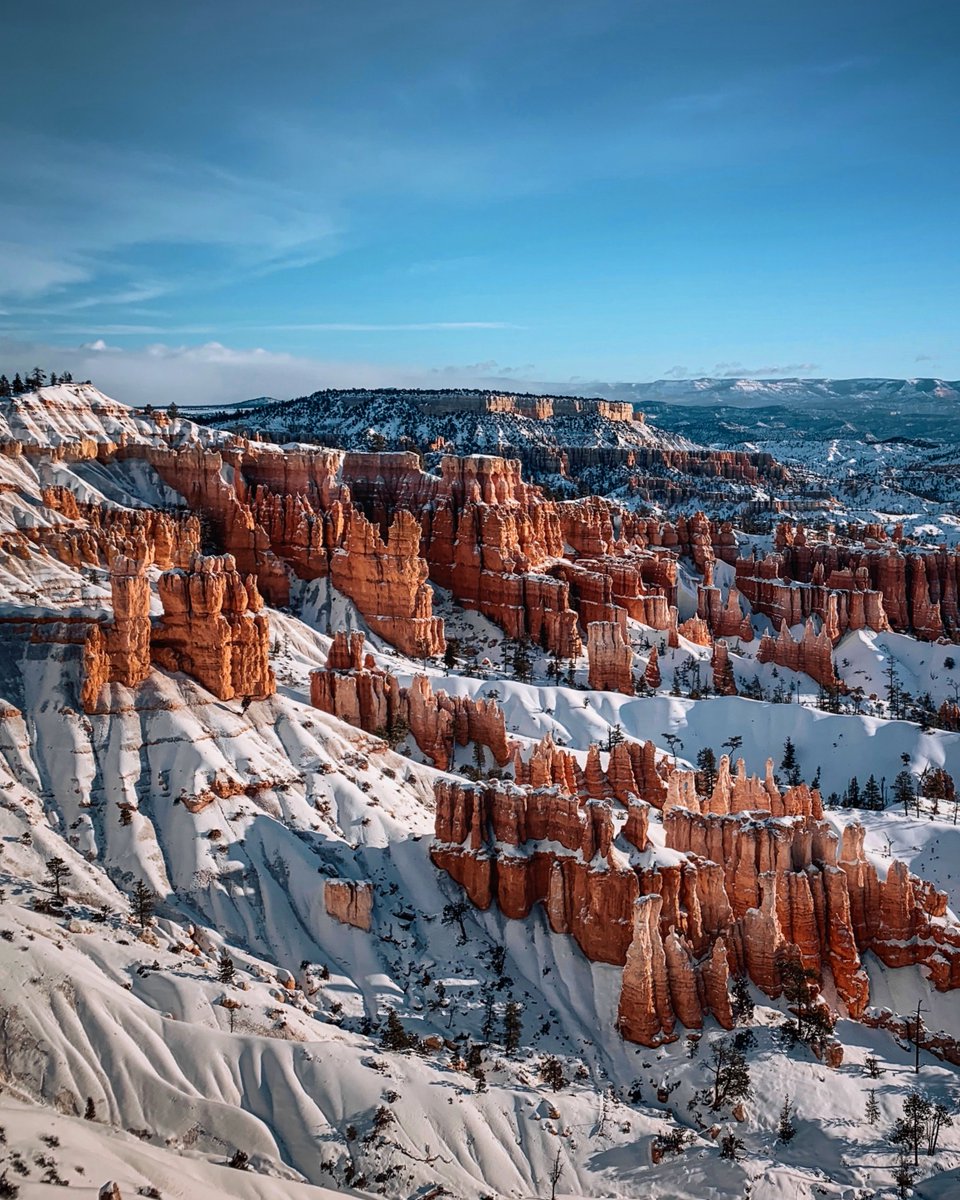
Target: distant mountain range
926 394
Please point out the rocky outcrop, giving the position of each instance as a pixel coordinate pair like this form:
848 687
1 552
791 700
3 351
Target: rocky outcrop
724 683
119 651
213 630
387 580
651 674
610 658
879 578
811 655
350 902
751 877
352 688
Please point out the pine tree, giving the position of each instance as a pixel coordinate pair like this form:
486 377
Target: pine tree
871 797
227 969
17 386
872 1111
144 902
706 771
903 1176
789 764
786 1129
909 1130
732 1147
453 914
551 1072
521 662
730 1082
741 1000
851 797
395 1037
512 1026
489 1015
5 390
450 653
57 872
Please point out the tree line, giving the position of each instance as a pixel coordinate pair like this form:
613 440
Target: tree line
36 379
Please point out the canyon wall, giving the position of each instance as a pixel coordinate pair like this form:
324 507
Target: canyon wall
754 877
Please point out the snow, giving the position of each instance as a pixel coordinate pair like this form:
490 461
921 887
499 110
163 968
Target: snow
92 1007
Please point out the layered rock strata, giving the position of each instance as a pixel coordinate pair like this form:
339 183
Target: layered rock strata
752 877
352 688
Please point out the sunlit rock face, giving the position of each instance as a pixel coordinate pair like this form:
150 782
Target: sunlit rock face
761 878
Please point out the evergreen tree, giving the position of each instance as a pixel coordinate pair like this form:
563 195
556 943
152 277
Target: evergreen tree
741 1000
57 872
489 1015
872 1111
801 988
5 389
551 1072
786 1129
53 379
851 797
614 737
395 1037
732 1147
904 789
453 914
144 902
909 1130
903 1176
790 765
871 797
730 1075
512 1026
227 969
450 653
521 662
706 771
17 386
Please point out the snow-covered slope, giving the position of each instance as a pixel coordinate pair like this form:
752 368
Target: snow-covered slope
235 816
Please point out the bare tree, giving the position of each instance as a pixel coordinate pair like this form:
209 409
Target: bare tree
555 1172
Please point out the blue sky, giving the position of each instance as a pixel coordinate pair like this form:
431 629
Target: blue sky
234 198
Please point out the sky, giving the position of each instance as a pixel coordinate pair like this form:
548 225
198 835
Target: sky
213 200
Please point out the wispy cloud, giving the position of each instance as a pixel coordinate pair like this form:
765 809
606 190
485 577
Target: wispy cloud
401 327
737 370
214 373
93 206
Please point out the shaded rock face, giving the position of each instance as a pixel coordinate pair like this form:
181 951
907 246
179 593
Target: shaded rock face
812 654
875 579
753 877
349 902
610 658
354 689
387 580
